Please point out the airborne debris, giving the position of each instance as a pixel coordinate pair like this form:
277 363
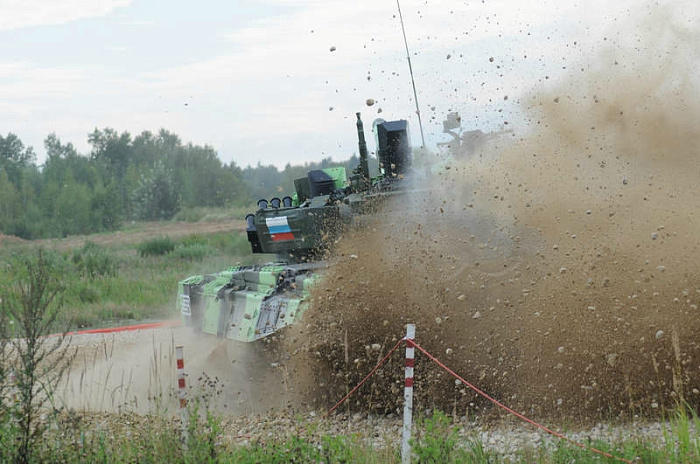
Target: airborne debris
541 291
611 359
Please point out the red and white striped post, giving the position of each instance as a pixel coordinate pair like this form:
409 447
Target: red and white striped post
182 392
408 395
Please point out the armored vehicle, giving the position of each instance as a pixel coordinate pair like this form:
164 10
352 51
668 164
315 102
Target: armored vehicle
247 303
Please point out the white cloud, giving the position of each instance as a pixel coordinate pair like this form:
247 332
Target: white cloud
267 96
17 14
22 81
282 73
140 23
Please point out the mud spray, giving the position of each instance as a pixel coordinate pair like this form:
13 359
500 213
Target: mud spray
558 273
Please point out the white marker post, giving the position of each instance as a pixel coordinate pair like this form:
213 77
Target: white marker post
181 391
408 395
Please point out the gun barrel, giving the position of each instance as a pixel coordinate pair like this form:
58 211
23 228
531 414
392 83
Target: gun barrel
364 163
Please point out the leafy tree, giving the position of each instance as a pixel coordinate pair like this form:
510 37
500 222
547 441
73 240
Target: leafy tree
62 159
149 176
155 197
236 192
72 210
112 152
112 149
263 181
17 162
71 191
32 303
57 150
10 207
28 184
15 157
104 206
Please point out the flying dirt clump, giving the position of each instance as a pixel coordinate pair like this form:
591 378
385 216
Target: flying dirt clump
557 274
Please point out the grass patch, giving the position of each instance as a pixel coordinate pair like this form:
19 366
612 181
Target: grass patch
156 247
107 284
156 439
213 214
93 261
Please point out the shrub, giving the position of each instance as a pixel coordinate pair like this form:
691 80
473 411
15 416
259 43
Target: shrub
193 252
193 239
93 261
33 301
436 439
87 293
156 247
231 243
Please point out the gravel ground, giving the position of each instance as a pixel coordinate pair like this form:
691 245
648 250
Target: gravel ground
506 438
147 354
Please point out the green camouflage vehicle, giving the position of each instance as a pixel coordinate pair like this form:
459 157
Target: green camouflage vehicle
247 303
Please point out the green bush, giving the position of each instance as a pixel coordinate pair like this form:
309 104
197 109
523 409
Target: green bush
93 261
193 239
87 293
231 243
193 252
157 247
435 439
9 434
300 450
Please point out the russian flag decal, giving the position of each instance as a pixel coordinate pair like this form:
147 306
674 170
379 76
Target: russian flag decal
279 229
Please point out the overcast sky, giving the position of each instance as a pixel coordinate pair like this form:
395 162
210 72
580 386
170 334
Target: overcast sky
277 81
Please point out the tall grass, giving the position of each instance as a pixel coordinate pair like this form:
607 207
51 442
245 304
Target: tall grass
110 284
81 438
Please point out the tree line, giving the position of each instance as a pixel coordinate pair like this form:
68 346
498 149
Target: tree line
147 177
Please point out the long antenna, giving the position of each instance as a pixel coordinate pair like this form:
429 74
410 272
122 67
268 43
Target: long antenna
413 82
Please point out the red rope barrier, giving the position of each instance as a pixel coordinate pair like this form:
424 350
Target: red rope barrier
412 343
128 328
520 416
384 359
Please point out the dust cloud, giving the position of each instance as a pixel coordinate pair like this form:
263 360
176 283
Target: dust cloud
555 270
136 372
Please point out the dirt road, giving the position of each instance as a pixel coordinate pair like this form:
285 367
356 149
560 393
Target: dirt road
136 371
